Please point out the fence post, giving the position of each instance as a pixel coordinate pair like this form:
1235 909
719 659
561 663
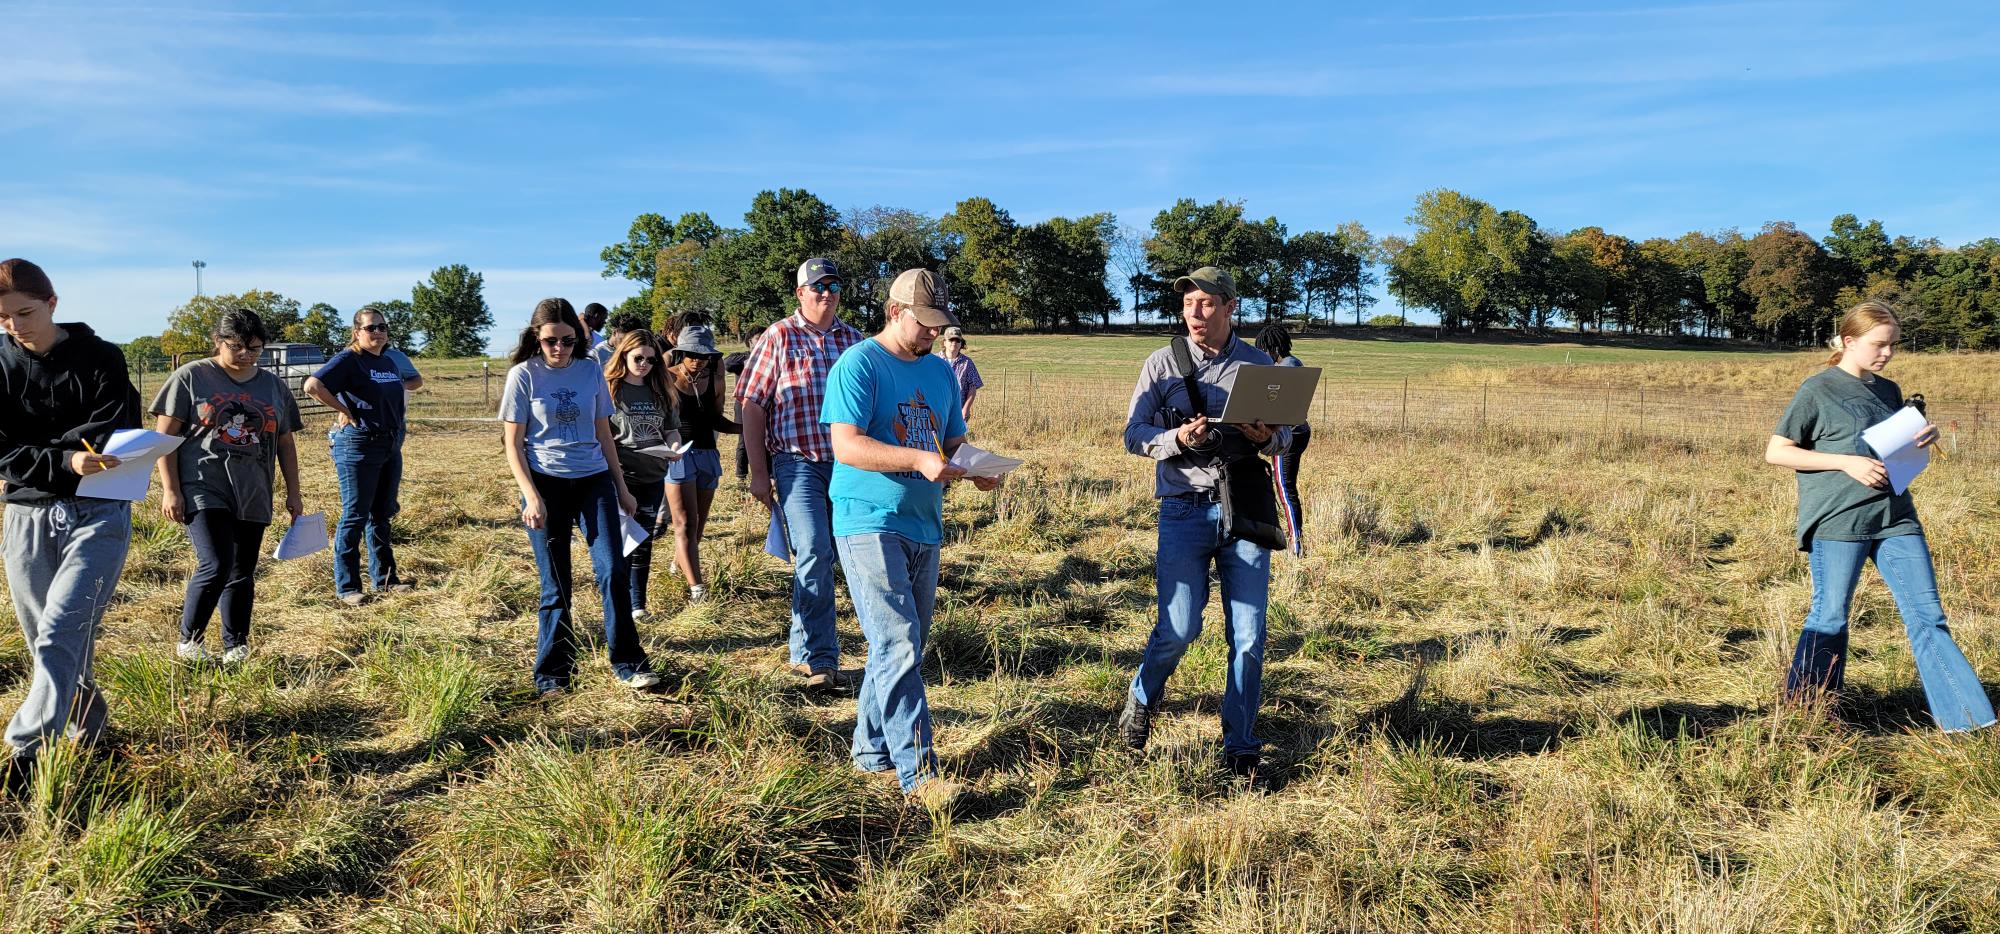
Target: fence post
486 384
1482 406
1406 405
1642 410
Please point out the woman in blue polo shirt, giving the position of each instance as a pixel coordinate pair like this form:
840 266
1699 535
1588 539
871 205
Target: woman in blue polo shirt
364 388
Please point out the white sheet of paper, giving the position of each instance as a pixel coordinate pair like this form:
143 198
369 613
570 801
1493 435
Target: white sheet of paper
982 463
635 534
306 536
136 449
666 450
1894 440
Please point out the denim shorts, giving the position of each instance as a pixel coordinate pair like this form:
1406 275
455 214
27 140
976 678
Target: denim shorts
699 466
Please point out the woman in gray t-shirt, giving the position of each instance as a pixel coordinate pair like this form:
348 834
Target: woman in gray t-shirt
1849 515
238 421
555 415
646 426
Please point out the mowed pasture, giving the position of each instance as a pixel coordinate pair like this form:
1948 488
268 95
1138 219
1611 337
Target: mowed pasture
1518 683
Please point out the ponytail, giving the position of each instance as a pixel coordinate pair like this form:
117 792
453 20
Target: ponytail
1859 320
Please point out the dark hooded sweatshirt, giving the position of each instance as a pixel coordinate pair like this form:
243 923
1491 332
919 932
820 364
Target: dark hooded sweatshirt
50 402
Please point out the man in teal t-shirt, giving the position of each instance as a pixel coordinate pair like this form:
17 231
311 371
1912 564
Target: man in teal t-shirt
894 414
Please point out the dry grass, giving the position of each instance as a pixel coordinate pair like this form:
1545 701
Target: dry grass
1513 687
1955 377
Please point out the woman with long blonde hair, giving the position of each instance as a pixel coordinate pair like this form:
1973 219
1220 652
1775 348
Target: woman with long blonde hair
646 425
1849 515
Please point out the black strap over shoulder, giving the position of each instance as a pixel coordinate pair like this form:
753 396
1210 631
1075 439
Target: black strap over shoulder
1184 361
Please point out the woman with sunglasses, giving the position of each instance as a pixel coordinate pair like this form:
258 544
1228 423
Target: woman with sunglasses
555 415
646 426
695 376
363 385
238 421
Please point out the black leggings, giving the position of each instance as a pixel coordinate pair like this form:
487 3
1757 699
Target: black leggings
225 573
1288 485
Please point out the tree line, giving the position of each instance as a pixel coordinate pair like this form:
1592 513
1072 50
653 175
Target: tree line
445 316
1472 265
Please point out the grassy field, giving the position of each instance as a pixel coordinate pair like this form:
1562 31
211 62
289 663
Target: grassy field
1510 688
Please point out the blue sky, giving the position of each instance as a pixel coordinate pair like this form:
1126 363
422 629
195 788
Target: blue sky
338 155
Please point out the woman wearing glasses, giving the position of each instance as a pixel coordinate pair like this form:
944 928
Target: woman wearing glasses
363 386
696 378
555 415
646 427
238 422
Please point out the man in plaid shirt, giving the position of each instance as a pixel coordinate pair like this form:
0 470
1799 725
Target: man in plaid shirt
780 392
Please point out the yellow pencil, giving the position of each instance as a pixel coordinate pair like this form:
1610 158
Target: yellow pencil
87 447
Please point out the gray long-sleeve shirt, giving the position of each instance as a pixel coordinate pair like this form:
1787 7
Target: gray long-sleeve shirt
1148 434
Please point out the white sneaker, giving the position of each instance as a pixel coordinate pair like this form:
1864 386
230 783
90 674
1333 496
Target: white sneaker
639 616
643 681
190 651
697 593
235 655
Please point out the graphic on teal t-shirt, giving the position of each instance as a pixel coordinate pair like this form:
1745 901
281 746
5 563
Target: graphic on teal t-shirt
917 427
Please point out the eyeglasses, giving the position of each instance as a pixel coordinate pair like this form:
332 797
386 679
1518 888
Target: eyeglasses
376 328
558 342
645 359
824 287
234 347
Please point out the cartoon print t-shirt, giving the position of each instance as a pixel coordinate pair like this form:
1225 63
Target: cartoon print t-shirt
232 430
560 408
908 403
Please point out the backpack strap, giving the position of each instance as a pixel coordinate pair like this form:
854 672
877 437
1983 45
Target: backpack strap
1184 361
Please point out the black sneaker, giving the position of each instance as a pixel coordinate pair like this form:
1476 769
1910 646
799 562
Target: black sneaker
1135 725
17 776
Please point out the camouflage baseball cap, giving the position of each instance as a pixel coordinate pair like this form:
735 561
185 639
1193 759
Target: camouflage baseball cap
817 268
1209 279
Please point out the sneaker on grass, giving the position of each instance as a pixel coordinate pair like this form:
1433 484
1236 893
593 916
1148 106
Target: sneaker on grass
190 651
235 655
642 681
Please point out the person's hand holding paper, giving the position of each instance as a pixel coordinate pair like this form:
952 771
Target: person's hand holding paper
1894 440
981 463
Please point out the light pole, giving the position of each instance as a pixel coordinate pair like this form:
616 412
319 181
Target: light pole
198 267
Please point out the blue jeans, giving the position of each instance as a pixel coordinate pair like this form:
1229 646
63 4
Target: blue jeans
649 496
802 496
1956 699
1190 540
893 582
63 562
593 503
371 475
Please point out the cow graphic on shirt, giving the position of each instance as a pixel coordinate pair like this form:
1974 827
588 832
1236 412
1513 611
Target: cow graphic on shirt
566 413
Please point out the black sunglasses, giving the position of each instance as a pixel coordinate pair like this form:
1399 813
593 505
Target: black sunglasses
558 342
375 328
822 287
644 358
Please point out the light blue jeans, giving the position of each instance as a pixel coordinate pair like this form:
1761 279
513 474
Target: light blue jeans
63 563
893 582
801 487
1191 540
1956 699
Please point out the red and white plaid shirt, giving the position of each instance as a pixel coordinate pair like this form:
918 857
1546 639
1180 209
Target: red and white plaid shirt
786 376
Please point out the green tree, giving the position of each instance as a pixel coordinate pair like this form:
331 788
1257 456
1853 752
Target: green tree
1791 281
877 244
756 270
145 351
1063 262
985 267
1462 258
189 326
1577 286
1190 235
1357 267
451 310
1857 251
1321 268
321 325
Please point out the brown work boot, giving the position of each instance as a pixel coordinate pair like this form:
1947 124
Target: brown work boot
937 795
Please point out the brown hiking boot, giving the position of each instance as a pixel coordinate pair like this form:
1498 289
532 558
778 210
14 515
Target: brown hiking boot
937 794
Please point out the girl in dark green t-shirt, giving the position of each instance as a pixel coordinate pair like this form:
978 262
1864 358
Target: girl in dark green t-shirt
1849 515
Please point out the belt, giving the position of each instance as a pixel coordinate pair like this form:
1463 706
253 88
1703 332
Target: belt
1198 496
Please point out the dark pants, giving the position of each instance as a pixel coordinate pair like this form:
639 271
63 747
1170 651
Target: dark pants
1288 486
591 502
649 495
225 574
371 472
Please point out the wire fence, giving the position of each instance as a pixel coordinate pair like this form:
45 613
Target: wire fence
470 394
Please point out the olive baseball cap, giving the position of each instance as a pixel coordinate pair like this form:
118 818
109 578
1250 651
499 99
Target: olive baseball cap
1209 279
923 293
817 268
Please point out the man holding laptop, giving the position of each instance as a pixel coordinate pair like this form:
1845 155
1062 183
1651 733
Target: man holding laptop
1178 418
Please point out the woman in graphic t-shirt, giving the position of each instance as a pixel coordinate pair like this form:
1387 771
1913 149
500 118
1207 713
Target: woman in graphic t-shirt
238 422
696 378
1849 514
647 429
555 415
364 386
